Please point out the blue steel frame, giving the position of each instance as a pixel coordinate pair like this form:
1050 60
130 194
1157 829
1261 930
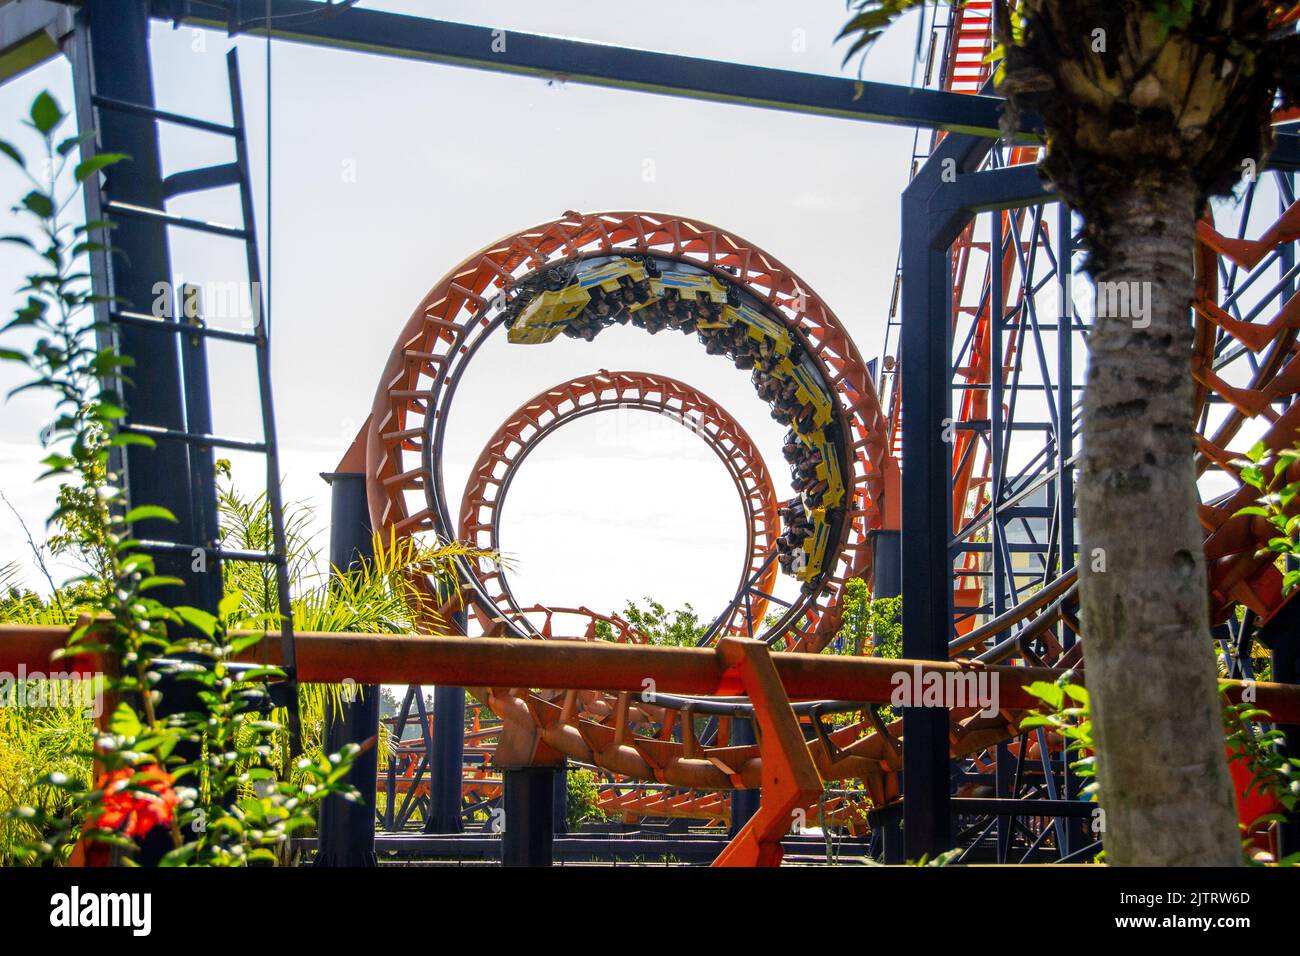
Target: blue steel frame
964 178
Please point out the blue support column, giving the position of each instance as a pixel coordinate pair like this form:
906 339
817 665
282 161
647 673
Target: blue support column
111 59
887 564
927 522
529 838
347 830
110 56
744 803
448 757
560 815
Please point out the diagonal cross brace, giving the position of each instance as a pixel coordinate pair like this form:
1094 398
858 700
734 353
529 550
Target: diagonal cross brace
790 778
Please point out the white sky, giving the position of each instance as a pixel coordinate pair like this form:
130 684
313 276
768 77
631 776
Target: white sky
446 160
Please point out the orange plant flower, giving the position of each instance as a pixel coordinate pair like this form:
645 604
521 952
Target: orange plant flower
136 801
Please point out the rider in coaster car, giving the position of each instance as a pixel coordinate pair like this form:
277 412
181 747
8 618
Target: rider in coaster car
816 491
807 464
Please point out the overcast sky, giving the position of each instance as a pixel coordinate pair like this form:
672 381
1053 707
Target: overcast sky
388 173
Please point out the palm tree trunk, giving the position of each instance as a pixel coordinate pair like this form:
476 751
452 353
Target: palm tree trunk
1162 769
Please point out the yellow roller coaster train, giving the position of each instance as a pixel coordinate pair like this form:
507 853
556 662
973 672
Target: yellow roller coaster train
583 298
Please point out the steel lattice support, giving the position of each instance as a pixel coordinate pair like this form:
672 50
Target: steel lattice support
990 434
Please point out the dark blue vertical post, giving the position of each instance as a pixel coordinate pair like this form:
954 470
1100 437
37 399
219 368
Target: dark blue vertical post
1065 401
1001 585
926 524
110 55
115 34
448 757
744 803
347 830
560 813
529 838
198 415
887 564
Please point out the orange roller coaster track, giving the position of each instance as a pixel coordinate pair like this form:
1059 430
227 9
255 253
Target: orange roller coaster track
493 472
414 401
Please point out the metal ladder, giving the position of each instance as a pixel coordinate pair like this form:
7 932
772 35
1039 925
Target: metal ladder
189 324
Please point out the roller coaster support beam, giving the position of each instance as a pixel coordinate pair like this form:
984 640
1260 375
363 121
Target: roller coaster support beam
30 34
744 803
529 838
109 50
331 657
939 203
110 56
560 817
790 778
887 564
448 755
347 830
886 542
941 199
599 64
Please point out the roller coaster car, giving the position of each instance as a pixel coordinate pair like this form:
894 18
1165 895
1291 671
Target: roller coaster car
807 392
546 315
828 470
616 276
810 556
549 312
759 327
688 286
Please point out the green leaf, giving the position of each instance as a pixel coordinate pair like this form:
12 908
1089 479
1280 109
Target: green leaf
39 203
1051 694
1078 692
45 113
144 512
88 167
122 439
1254 510
198 619
180 856
72 142
229 605
9 150
125 722
158 581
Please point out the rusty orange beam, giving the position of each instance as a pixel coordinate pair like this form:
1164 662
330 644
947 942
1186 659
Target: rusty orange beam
586 665
790 778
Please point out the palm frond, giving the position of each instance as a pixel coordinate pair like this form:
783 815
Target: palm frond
871 18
